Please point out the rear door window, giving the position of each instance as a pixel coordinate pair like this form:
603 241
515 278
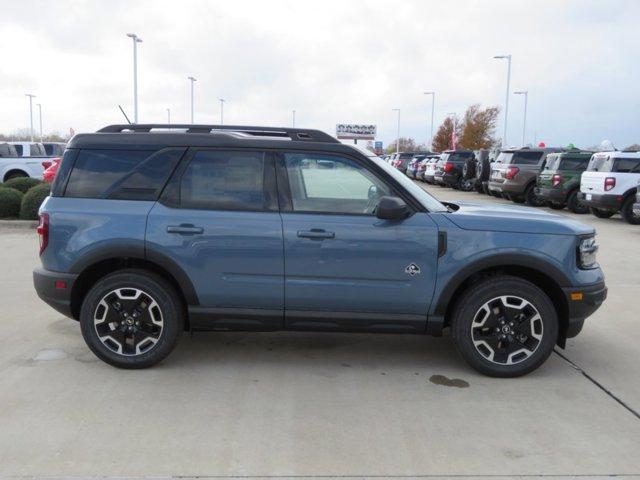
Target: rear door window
225 180
19 149
121 174
36 150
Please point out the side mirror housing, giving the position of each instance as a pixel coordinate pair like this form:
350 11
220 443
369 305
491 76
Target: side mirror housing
392 208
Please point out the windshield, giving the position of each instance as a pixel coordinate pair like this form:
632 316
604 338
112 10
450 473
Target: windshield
429 202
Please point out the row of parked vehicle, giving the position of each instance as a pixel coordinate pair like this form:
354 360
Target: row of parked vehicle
30 159
603 183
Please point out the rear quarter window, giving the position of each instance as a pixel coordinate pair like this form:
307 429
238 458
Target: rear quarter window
574 164
626 165
121 174
526 158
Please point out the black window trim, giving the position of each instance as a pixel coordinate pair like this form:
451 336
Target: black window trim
170 196
284 190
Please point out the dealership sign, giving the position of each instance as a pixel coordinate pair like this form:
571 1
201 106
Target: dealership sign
350 131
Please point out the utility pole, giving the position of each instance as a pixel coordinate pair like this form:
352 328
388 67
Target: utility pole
40 118
293 119
31 97
398 140
192 80
506 102
169 116
136 40
222 111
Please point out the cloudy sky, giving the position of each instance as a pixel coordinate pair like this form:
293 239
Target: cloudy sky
331 61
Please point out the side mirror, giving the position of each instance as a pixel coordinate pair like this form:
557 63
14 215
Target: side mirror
392 208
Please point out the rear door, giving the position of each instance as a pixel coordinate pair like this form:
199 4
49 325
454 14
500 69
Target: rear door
344 267
218 221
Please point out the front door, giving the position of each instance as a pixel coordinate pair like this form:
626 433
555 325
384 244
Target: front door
344 267
219 223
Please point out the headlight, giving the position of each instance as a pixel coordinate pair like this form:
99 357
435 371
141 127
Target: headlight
587 250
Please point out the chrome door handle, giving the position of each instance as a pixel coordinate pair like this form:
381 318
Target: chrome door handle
184 229
316 233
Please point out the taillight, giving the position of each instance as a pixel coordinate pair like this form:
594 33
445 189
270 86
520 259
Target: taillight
511 172
448 167
43 231
556 180
609 183
46 164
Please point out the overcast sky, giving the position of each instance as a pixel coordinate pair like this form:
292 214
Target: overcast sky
331 61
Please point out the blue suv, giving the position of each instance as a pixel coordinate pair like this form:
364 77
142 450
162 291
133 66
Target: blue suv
151 230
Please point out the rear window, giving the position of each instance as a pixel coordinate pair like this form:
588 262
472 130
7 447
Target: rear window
218 180
626 165
578 164
599 163
553 162
36 150
121 174
7 150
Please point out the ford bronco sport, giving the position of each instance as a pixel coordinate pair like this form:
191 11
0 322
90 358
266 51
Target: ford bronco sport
151 230
559 183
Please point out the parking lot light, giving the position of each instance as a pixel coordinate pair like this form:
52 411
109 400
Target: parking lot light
136 40
222 111
192 80
433 102
506 102
524 122
31 97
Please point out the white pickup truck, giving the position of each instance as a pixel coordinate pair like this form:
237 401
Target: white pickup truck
22 159
610 183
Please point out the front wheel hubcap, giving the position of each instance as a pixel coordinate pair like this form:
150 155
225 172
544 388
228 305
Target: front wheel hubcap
507 330
128 321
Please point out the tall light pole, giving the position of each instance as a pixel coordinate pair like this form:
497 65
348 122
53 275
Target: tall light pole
524 122
398 140
40 118
169 116
433 103
222 111
293 118
506 102
31 97
136 40
192 80
454 116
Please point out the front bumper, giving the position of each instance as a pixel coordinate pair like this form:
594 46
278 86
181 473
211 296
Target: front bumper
582 302
551 194
602 201
54 288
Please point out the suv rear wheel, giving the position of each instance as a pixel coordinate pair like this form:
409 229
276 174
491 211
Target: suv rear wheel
575 205
132 318
531 198
627 211
504 326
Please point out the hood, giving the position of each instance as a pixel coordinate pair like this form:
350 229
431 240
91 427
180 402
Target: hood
514 218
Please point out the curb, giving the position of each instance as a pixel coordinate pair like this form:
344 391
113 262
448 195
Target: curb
18 224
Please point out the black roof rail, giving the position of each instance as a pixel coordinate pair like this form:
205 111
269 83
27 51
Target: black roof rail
295 134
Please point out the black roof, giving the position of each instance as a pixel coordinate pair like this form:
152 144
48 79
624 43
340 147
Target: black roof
153 136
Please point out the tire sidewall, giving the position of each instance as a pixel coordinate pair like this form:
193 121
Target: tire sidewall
478 295
163 294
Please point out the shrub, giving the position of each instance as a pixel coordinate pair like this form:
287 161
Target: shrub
9 202
23 184
32 200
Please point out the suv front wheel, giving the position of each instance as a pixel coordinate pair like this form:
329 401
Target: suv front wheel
504 326
132 318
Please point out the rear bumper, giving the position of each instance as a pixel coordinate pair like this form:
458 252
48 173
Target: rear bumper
450 179
582 302
602 201
49 287
551 194
506 187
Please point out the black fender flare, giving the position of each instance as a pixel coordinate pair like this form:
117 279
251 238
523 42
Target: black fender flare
137 251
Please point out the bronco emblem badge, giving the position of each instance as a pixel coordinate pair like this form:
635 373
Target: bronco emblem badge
412 269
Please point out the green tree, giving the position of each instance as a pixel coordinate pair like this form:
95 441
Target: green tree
406 145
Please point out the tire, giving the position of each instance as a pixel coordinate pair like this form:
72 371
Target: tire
556 206
114 304
15 174
530 197
574 205
478 187
602 213
497 351
516 199
627 211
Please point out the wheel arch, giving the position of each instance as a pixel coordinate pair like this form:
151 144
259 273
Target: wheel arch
546 276
98 264
12 170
